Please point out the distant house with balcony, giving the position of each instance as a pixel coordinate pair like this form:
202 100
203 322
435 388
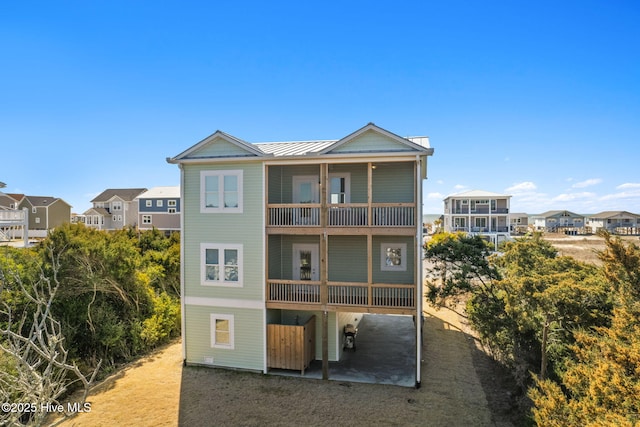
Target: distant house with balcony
114 209
614 222
14 222
559 221
519 222
294 235
159 208
44 212
479 212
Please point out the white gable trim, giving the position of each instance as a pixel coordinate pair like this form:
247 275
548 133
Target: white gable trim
386 133
249 148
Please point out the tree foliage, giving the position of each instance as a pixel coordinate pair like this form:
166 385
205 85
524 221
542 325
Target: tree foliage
524 302
601 384
117 293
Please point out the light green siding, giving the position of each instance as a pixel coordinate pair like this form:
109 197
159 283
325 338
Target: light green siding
244 228
371 141
348 259
219 147
281 181
281 260
249 345
393 183
358 173
380 276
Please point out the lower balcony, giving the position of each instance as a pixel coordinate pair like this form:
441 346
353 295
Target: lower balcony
342 296
343 215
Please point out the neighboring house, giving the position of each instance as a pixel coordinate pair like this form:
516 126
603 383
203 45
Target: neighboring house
159 208
559 221
14 222
519 222
478 212
615 222
44 212
287 234
114 209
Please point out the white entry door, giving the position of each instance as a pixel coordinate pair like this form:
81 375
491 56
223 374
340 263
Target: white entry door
306 265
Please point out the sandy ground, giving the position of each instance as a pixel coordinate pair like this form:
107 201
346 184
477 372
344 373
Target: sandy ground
158 391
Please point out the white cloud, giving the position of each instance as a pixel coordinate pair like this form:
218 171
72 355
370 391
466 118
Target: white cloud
435 195
459 187
569 197
587 183
439 181
522 187
628 185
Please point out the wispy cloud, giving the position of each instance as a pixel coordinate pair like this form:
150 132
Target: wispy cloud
459 187
570 197
628 185
587 183
522 187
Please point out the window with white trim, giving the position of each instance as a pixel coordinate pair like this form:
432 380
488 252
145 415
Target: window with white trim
146 219
222 331
171 210
148 203
159 203
172 203
221 264
339 187
221 191
393 257
116 206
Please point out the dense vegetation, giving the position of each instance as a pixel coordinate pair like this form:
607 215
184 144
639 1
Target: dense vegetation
99 298
569 331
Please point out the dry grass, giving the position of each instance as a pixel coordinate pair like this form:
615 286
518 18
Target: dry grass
582 248
159 391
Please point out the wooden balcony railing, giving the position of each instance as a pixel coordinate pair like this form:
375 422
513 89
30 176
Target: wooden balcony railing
294 215
345 294
343 215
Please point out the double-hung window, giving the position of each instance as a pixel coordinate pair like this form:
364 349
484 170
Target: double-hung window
221 264
222 331
221 191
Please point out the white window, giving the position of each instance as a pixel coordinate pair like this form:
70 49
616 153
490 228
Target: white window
148 203
159 203
222 331
34 210
146 219
172 203
339 188
221 264
172 210
221 191
115 218
37 220
116 206
393 257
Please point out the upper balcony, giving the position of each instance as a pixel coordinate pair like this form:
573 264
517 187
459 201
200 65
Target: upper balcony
353 195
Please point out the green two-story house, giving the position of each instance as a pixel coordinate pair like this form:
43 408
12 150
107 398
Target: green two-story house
289 232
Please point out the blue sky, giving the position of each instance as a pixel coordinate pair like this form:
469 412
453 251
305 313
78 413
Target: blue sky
539 100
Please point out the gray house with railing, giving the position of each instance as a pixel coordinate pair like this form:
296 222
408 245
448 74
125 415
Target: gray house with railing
478 212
